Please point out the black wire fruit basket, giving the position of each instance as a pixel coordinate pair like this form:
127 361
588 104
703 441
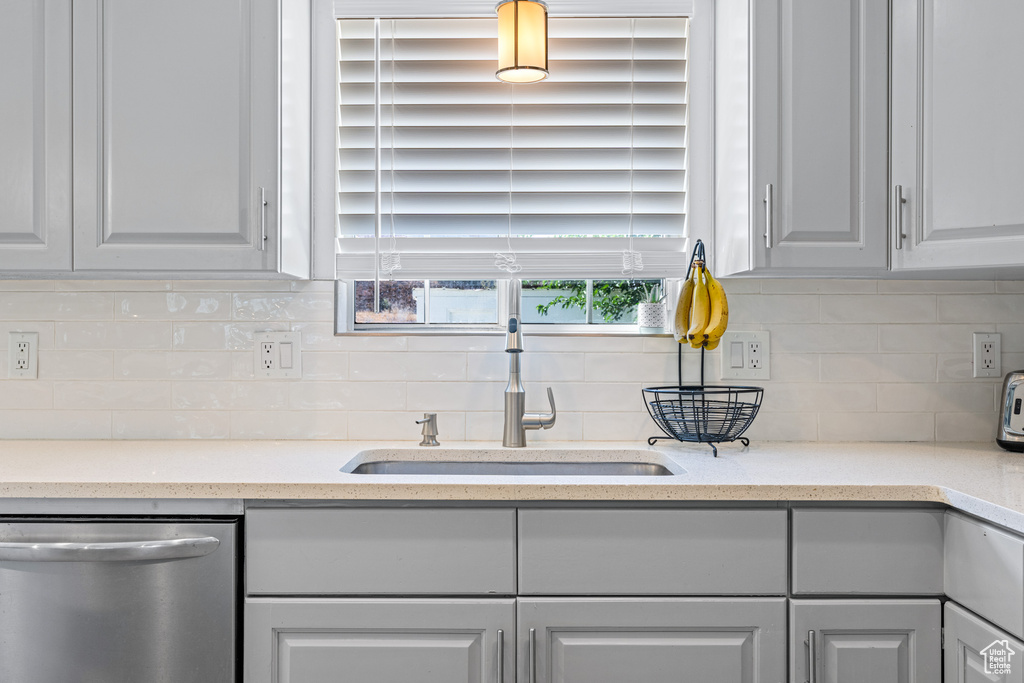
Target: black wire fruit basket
701 413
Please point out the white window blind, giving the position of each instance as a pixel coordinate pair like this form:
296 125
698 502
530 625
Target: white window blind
443 162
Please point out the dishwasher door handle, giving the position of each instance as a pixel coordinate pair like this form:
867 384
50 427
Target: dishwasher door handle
130 551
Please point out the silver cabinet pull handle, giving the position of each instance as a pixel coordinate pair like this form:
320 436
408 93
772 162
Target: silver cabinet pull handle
263 219
898 201
132 551
812 658
769 216
501 656
533 655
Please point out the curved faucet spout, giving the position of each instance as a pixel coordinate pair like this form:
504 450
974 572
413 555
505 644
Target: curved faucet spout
517 420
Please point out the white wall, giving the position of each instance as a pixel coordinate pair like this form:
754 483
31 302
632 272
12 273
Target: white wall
872 360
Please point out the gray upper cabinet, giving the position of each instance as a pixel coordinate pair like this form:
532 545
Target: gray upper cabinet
818 119
977 652
35 135
957 139
379 641
146 138
652 640
174 135
850 641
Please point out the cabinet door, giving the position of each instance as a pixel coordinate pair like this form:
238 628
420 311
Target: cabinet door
957 139
820 119
175 135
611 640
865 641
378 641
978 652
35 135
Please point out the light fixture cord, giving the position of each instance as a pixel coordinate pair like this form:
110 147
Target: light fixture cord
507 261
632 261
391 260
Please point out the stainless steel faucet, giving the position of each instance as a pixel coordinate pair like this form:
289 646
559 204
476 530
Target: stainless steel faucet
517 420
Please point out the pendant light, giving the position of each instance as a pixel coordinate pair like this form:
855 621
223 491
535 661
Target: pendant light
522 41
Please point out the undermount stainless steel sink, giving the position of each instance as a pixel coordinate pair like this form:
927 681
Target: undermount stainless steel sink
535 462
536 469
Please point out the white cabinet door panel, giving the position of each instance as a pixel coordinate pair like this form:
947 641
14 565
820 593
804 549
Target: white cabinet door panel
35 135
296 640
957 139
970 642
175 113
820 133
654 640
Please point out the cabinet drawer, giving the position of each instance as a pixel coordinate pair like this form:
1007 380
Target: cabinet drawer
652 552
897 552
377 551
985 571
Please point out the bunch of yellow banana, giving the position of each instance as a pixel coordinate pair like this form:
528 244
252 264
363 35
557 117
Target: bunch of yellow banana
702 313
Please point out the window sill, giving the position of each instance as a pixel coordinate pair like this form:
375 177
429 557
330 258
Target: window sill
528 331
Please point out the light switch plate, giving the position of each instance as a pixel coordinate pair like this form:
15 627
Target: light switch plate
277 356
745 355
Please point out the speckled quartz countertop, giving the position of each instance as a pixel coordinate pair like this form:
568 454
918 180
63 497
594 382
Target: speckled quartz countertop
978 478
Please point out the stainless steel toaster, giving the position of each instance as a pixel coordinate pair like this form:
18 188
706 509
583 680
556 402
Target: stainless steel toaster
1010 434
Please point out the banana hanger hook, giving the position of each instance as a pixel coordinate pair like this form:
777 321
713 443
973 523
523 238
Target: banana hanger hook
697 255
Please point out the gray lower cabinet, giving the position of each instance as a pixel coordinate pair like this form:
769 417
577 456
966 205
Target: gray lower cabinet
865 641
386 640
651 640
977 652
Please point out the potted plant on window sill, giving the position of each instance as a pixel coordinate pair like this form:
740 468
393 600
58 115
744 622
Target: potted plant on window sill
650 313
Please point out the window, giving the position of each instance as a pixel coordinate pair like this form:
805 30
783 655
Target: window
443 175
479 305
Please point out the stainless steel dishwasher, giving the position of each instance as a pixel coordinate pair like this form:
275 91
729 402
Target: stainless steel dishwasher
104 601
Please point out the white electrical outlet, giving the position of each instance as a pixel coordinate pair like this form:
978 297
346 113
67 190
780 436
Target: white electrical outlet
987 350
23 355
277 355
745 355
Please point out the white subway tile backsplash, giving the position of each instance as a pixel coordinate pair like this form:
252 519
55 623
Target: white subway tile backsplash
82 365
55 424
823 338
324 365
22 394
179 365
262 395
851 360
432 397
648 368
929 338
283 424
893 308
773 308
172 306
348 396
157 424
997 308
804 286
111 395
876 427
411 367
936 287
876 367
938 398
220 336
113 335
299 307
57 306
965 426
